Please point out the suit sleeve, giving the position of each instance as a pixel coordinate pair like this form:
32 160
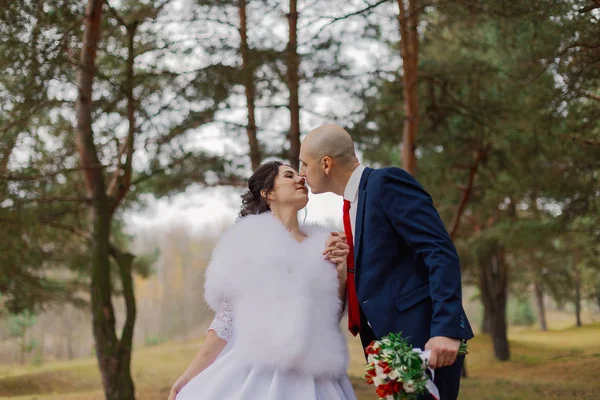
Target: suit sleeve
413 215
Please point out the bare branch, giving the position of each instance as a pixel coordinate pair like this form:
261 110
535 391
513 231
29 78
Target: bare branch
333 20
591 7
73 229
592 96
584 45
115 14
466 193
369 7
65 199
120 184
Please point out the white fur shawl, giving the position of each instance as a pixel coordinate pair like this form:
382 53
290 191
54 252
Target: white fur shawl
284 296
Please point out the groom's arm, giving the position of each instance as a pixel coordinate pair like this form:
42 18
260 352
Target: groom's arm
410 209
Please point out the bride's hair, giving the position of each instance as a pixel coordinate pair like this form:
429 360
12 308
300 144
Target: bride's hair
263 179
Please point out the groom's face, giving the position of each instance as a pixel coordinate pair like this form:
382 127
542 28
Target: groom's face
312 170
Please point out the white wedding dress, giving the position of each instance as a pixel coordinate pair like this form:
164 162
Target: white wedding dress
229 379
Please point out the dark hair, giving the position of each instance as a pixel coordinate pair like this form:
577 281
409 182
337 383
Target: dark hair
263 179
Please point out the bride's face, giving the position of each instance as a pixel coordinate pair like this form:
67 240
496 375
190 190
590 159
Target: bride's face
290 189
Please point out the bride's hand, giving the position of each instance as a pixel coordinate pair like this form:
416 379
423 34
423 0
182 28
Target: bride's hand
177 386
336 251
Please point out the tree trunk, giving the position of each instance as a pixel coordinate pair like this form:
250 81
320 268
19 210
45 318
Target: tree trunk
493 280
409 51
125 346
486 322
113 356
541 308
248 77
6 148
578 296
597 292
22 343
70 351
293 66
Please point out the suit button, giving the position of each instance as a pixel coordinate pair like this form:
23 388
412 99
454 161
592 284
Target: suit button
365 302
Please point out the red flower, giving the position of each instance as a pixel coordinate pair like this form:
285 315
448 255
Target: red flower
389 389
369 380
372 372
381 391
395 386
371 350
386 367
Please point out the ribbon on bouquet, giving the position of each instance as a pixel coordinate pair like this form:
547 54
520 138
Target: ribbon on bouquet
433 390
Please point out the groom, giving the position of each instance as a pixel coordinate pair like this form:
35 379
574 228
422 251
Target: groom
404 272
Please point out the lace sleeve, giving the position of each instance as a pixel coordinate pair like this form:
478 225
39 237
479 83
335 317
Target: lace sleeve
222 324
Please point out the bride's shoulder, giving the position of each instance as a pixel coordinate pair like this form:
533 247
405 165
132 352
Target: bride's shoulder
251 229
251 224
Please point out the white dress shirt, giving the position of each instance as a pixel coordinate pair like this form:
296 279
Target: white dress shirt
351 194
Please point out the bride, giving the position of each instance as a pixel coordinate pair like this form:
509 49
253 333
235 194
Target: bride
277 288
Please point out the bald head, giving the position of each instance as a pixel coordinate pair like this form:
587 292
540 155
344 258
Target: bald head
329 140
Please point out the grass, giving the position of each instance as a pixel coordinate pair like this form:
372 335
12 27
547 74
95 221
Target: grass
559 364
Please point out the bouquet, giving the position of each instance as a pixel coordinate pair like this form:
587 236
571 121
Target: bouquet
398 371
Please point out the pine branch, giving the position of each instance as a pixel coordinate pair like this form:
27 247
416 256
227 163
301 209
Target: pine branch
577 138
29 114
41 177
159 171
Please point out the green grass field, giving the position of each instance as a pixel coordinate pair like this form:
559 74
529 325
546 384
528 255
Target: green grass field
559 364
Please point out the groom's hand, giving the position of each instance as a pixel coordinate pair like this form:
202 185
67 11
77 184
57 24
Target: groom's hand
443 351
336 248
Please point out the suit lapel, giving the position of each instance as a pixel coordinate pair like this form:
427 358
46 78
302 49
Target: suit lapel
360 213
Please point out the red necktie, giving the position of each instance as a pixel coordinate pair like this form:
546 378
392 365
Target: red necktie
353 310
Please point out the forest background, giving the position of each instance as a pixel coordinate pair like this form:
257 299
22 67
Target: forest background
128 128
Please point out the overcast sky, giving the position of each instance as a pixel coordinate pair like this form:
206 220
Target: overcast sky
207 209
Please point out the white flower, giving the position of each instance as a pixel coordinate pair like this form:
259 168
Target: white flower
409 386
378 381
386 341
403 368
394 375
389 397
371 359
387 352
375 345
380 372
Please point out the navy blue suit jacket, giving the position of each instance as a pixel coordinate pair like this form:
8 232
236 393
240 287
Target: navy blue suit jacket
407 270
